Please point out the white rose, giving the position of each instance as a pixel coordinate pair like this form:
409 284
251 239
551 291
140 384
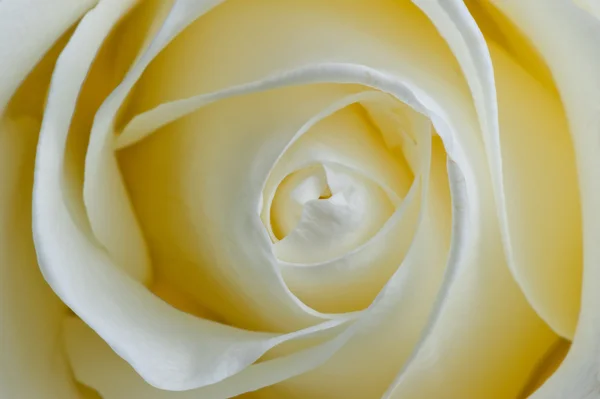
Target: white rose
299 199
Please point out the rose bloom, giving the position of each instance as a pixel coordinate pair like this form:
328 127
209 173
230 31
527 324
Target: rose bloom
300 199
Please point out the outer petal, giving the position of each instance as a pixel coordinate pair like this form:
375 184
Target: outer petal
591 6
452 361
481 313
104 195
31 361
185 351
27 30
567 38
527 169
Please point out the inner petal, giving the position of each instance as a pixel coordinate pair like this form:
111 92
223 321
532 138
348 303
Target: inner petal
292 194
347 137
327 228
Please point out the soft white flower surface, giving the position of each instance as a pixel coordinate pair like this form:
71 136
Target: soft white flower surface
299 199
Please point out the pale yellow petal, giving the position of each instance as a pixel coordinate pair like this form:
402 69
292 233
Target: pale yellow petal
169 348
28 28
31 358
567 38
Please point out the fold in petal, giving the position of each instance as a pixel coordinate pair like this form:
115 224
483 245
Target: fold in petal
223 245
229 26
567 38
534 174
32 363
185 351
343 137
104 195
197 193
332 227
37 24
351 281
408 294
590 6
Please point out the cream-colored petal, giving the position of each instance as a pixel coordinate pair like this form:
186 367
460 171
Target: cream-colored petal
387 331
31 358
233 34
541 193
118 231
408 84
591 6
95 363
291 195
341 134
567 38
480 313
110 215
390 51
28 28
331 227
351 281
454 22
170 349
408 295
439 369
198 196
534 179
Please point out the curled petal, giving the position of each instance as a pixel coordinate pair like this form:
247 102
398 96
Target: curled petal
31 362
544 271
133 321
573 57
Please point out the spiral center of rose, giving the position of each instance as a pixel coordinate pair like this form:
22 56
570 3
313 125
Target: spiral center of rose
326 207
336 185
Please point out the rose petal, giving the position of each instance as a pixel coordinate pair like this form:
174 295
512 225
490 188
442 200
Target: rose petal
567 38
332 227
542 202
233 35
480 313
412 290
351 281
37 24
108 209
589 5
452 103
337 136
200 209
491 329
184 351
408 296
29 313
291 195
389 51
526 173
